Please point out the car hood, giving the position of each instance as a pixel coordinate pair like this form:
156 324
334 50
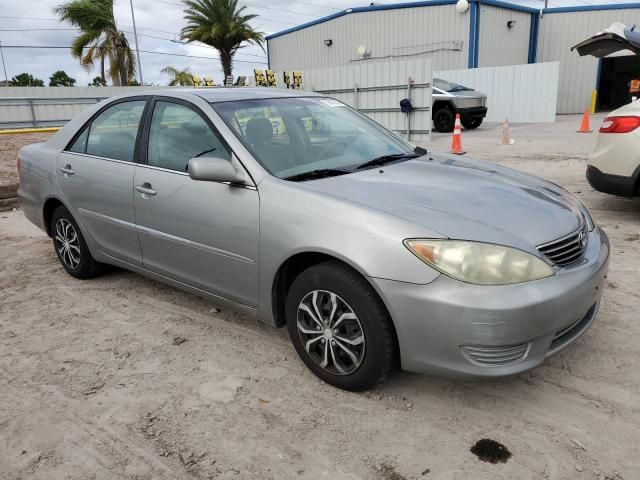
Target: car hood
463 199
468 94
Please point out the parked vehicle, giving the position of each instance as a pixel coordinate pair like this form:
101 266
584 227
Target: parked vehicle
450 98
614 166
371 251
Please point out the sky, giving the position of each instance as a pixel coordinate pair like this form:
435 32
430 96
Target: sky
32 23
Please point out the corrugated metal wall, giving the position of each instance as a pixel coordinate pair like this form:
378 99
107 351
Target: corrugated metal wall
18 105
438 33
381 101
522 93
500 45
578 75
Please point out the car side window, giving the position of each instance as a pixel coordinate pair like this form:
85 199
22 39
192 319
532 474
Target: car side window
177 134
80 144
112 134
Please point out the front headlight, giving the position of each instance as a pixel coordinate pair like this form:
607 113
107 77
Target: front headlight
591 223
480 263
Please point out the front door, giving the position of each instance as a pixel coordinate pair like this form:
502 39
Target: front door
204 234
96 173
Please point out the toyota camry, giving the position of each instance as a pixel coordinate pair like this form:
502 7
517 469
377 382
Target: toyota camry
299 210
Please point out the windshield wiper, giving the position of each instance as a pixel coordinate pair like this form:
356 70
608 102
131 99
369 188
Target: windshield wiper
384 159
314 174
206 151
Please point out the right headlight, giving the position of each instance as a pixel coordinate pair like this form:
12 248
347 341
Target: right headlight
480 263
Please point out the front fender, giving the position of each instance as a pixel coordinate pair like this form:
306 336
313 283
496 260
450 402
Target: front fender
294 219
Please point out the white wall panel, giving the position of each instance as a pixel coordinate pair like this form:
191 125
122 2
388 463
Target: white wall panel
67 92
522 93
51 105
380 74
578 75
500 45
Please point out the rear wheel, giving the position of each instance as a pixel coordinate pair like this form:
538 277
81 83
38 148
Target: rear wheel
339 327
471 122
443 120
70 246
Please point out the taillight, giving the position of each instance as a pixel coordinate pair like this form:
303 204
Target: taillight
620 124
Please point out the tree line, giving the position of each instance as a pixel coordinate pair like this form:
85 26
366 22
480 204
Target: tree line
59 78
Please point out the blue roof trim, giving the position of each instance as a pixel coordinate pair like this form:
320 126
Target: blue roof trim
435 3
476 49
371 8
507 5
533 37
591 8
306 25
473 12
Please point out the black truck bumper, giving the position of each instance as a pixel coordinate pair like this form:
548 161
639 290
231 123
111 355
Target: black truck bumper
473 112
613 184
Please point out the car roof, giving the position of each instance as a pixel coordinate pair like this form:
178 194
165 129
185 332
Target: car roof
230 94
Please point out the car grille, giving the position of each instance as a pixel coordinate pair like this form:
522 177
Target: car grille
495 356
568 249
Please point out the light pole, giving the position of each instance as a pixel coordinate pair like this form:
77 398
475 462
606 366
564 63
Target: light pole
135 35
6 79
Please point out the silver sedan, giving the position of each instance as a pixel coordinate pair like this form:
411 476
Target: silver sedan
297 209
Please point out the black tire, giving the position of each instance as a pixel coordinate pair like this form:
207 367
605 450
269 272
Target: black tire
353 292
443 120
79 262
471 122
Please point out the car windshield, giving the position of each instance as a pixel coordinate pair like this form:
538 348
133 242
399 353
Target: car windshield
448 86
297 138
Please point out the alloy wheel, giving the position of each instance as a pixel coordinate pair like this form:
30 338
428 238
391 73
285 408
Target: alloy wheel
67 243
331 332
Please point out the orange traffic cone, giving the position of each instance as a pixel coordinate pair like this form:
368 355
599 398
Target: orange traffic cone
584 126
456 141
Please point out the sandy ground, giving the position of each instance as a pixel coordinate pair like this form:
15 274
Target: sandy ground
95 384
9 146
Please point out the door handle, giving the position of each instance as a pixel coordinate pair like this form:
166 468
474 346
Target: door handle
67 170
145 189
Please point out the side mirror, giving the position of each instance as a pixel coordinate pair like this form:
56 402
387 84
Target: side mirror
214 169
420 150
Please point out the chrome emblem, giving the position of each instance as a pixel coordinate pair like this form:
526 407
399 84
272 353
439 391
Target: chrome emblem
582 239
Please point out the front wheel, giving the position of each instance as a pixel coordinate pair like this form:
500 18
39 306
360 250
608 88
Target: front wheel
443 120
471 122
339 327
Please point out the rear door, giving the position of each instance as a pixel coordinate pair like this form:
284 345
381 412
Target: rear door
204 234
96 172
618 38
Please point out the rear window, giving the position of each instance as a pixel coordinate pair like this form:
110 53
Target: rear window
112 134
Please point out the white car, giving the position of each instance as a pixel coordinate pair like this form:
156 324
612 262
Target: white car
614 166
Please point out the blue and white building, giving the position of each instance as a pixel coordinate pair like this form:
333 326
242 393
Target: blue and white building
488 33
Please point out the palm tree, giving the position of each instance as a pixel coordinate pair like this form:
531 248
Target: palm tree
99 39
178 77
222 25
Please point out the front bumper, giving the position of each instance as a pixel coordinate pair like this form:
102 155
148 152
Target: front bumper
522 324
473 112
613 184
